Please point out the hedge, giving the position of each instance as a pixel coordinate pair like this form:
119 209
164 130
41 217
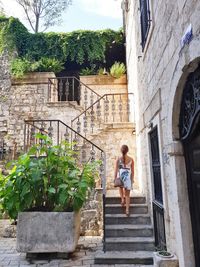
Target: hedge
78 49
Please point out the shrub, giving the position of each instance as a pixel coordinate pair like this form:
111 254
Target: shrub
47 178
21 66
117 70
87 71
49 64
101 71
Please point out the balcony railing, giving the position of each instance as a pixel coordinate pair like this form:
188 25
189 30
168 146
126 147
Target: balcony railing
71 89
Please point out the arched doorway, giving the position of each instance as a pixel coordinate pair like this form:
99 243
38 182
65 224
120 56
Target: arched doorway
189 126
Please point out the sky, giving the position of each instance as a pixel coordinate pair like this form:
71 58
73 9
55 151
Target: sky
82 14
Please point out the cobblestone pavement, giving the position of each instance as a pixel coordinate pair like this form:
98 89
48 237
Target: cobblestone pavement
83 256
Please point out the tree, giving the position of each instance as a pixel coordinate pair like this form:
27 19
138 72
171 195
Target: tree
42 14
1 8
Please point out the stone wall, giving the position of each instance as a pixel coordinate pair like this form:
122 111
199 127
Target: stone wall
5 86
157 77
92 215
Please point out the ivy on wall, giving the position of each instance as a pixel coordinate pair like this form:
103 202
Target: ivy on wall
74 50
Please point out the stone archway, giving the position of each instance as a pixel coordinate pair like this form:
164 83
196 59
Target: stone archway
182 217
186 71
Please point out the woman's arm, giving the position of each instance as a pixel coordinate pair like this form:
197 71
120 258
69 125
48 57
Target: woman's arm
116 168
132 171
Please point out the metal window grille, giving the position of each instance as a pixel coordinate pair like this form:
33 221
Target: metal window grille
145 20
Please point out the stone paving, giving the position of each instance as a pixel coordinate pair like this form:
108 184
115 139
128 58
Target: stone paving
83 256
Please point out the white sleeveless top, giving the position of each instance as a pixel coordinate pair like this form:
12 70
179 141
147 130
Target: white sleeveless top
125 174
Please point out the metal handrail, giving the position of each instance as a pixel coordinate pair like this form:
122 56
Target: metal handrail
80 135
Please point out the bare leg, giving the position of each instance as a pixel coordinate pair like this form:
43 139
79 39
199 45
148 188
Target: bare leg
121 192
127 193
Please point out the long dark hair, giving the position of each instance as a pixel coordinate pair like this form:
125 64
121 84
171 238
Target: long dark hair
124 150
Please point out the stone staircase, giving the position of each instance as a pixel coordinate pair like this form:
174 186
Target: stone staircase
128 240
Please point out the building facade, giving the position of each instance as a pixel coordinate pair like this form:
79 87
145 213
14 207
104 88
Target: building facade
163 56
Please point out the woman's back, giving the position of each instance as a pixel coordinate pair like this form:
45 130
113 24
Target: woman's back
125 163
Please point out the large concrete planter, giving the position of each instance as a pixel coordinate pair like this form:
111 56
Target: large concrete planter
48 232
103 79
34 78
105 84
162 261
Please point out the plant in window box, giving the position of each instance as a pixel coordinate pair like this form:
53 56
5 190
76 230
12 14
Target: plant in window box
46 190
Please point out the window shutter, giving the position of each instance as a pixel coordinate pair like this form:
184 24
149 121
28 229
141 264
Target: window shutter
145 20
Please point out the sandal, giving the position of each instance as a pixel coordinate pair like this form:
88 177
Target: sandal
123 202
127 213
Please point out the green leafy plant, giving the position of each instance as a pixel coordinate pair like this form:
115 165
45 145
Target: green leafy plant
21 66
49 64
87 71
47 178
101 71
117 70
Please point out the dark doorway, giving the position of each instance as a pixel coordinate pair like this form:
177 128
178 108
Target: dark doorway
158 209
192 156
190 135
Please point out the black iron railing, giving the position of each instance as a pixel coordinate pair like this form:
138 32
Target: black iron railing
71 89
2 150
109 108
159 226
158 210
58 132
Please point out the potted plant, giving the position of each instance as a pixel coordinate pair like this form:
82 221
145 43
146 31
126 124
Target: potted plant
45 190
117 70
165 259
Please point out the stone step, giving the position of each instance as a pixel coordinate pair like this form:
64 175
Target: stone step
133 200
124 257
129 243
123 219
118 209
127 230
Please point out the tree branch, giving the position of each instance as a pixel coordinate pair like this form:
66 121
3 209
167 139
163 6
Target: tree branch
46 10
22 3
